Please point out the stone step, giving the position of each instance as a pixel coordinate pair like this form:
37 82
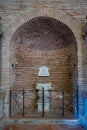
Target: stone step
44 127
26 123
42 121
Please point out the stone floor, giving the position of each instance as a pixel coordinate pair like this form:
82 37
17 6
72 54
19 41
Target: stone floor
44 127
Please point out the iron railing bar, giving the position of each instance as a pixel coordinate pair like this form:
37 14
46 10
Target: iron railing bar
43 102
23 104
77 103
23 91
10 103
63 103
3 105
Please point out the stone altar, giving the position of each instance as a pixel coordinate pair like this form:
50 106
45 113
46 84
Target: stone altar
47 87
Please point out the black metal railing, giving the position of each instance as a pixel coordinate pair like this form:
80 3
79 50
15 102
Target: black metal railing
39 103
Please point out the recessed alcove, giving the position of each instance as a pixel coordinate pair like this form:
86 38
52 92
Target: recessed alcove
45 41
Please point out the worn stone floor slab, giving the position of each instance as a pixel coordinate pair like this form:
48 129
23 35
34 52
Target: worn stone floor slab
44 127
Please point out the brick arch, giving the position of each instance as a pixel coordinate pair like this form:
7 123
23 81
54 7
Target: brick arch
30 53
59 15
54 13
49 12
47 32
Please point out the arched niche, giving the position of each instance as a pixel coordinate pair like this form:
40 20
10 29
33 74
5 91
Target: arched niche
44 41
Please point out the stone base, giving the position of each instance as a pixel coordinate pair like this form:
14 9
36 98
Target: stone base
46 107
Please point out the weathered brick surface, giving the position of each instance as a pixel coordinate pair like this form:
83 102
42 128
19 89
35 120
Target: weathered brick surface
42 47
16 12
77 9
47 42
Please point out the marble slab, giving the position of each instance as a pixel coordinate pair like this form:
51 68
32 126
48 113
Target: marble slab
43 71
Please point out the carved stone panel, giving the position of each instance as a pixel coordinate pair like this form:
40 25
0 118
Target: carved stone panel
43 71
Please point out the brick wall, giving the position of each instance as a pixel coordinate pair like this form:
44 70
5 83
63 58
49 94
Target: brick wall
44 41
15 13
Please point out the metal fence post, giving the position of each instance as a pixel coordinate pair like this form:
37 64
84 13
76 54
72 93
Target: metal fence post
77 103
10 103
23 102
63 103
3 105
43 102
